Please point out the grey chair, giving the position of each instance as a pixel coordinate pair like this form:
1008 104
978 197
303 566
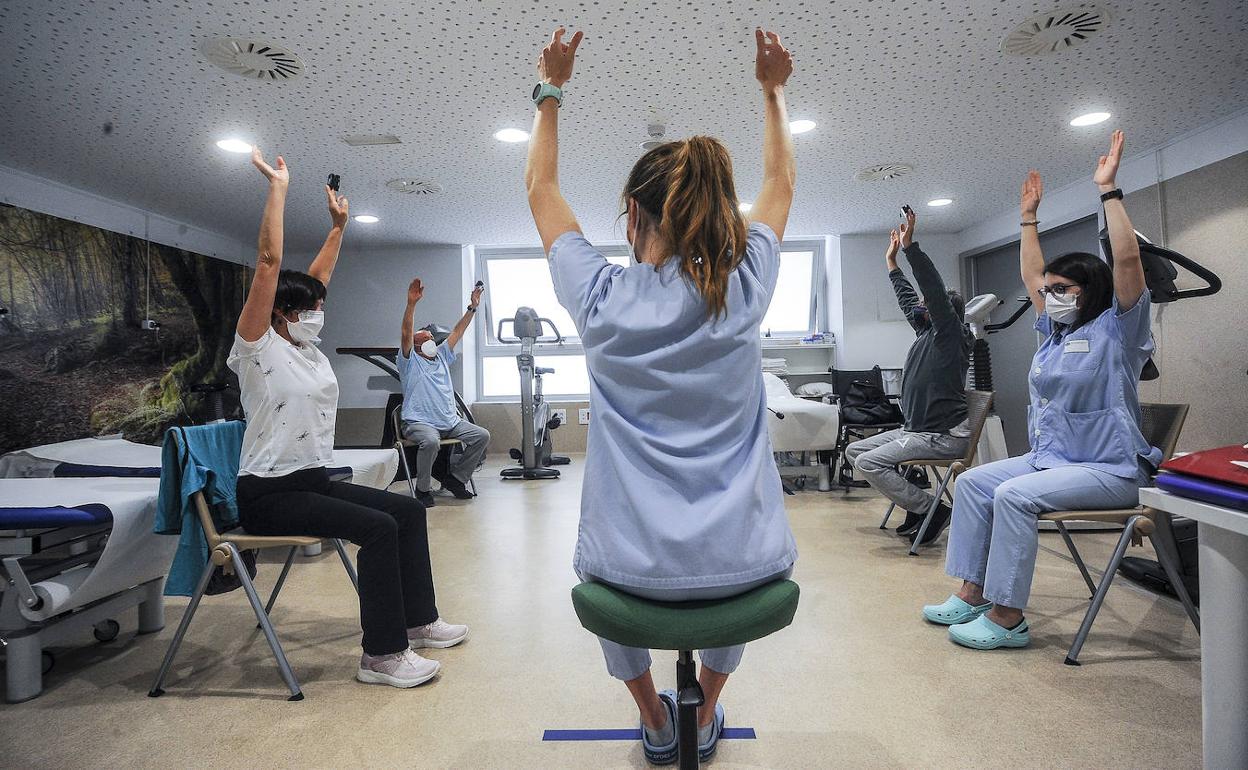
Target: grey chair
1161 425
401 444
978 407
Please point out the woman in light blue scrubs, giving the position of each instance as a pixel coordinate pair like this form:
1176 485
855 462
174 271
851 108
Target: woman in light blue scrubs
1083 421
681 499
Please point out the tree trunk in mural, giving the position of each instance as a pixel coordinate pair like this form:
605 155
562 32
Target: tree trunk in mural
213 290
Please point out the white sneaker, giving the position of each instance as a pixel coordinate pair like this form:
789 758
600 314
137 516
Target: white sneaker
402 669
439 634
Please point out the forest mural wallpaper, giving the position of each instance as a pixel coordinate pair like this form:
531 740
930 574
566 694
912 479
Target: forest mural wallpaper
74 358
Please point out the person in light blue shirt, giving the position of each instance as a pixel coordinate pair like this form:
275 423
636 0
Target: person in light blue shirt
429 412
1087 450
681 498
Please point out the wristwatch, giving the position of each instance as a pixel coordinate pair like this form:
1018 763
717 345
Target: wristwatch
471 309
1116 193
543 90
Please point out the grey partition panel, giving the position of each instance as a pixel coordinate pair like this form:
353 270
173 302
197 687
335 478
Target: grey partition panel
995 271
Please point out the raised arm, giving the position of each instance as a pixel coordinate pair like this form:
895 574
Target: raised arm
939 307
415 290
772 66
452 339
1128 269
551 213
1030 256
257 313
323 266
906 296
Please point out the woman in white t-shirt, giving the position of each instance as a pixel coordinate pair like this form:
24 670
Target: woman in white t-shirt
290 396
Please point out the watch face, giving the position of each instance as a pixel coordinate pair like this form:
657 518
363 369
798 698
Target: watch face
537 89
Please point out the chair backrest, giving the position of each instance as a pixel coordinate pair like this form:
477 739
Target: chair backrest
1161 425
843 378
205 520
978 407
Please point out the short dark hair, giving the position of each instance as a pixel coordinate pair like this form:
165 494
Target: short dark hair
297 291
959 304
1095 278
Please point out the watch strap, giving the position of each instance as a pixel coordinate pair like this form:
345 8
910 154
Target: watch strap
1115 193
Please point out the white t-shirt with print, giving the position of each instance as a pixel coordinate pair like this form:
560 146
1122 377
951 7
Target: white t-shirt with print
290 396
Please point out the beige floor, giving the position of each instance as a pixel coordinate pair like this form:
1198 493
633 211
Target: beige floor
858 680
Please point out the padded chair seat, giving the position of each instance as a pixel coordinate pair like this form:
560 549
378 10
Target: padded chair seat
636 622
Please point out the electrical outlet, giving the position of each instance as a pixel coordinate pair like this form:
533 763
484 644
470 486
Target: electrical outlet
150 325
561 415
583 416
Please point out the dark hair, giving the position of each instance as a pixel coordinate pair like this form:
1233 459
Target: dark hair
685 190
1095 279
959 304
297 291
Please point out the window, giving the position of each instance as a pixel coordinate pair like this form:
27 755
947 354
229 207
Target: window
518 277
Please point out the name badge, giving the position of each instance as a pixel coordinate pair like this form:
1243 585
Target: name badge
1076 346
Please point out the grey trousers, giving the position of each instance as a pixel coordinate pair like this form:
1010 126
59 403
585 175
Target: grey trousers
426 438
628 663
875 457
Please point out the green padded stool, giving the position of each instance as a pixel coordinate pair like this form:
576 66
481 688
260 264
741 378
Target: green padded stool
685 626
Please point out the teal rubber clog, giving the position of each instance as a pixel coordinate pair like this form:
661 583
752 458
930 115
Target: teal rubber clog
983 634
954 611
663 755
707 750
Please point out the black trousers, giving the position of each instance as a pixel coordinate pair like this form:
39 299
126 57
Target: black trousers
396 579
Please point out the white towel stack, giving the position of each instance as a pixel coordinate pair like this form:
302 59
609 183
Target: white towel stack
776 366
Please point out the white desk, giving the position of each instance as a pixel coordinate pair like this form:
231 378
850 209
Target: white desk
1224 624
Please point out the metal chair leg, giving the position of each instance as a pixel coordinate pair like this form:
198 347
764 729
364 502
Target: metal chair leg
178 635
931 511
346 562
407 469
1169 564
283 665
1072 657
889 512
1074 553
281 580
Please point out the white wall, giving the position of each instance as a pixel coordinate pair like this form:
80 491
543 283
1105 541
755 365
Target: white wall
873 330
365 307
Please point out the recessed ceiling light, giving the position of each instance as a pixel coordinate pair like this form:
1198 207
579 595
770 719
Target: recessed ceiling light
745 207
367 219
937 202
512 135
801 126
234 145
1091 119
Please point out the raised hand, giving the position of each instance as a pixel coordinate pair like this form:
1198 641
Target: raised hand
415 290
278 175
475 299
894 243
337 207
554 64
907 230
772 62
1107 166
1029 197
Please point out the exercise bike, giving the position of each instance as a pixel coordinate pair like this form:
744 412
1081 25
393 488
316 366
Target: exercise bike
536 422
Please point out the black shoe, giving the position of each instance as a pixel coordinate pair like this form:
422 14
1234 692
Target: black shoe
457 488
910 525
940 520
425 499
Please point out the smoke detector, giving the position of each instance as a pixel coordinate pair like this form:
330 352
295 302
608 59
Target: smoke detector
1056 31
655 131
253 59
414 186
883 172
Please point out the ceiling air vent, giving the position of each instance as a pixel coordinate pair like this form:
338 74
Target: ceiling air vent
253 59
883 171
414 186
1055 32
370 140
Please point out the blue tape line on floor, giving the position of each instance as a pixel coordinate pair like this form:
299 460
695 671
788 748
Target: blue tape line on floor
634 734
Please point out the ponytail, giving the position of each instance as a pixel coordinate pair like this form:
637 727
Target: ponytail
687 188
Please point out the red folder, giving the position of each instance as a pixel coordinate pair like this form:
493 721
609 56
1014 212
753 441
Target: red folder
1226 465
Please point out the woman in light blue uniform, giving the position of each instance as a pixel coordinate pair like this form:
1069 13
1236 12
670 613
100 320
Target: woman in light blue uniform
682 499
1083 421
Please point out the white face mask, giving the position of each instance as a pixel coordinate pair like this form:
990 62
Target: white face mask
1064 309
428 349
307 327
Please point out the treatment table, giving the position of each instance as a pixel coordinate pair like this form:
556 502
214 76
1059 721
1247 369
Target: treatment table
806 425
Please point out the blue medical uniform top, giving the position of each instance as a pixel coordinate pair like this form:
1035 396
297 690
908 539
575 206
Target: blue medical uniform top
681 489
1085 406
428 393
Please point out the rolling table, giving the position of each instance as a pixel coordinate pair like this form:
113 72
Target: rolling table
1224 624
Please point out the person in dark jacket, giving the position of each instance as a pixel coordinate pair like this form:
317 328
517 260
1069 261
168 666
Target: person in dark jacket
933 388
